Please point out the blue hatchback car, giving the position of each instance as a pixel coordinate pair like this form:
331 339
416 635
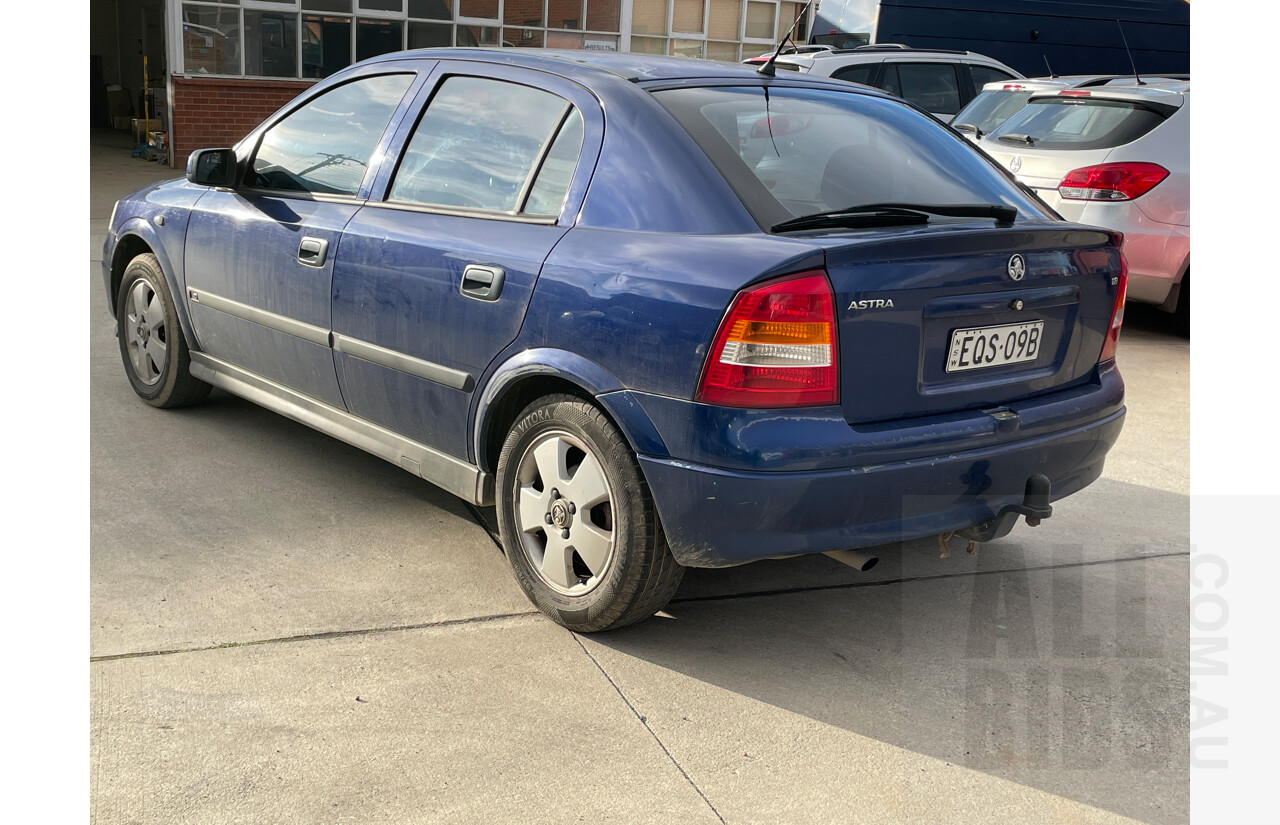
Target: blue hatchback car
661 312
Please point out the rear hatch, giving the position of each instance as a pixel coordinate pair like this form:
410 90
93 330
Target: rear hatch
1076 128
935 257
932 320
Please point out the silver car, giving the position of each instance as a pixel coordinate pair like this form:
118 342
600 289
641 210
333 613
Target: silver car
1116 156
997 101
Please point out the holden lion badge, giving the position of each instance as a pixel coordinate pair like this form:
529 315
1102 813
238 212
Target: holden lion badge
1017 268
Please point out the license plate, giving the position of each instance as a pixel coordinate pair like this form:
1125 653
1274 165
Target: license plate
980 347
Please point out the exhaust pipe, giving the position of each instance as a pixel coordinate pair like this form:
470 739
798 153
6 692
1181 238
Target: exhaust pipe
862 562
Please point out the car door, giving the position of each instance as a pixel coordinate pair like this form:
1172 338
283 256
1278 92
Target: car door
434 274
259 257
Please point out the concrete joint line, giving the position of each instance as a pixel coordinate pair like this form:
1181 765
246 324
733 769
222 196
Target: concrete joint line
310 637
645 722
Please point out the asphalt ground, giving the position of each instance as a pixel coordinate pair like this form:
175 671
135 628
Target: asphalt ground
285 629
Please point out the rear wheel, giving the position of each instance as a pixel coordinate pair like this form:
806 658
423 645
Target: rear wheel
577 521
152 346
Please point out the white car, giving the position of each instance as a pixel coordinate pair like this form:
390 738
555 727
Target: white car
1116 156
940 82
801 49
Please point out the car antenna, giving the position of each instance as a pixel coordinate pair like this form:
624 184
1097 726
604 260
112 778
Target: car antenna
1126 49
1047 66
767 69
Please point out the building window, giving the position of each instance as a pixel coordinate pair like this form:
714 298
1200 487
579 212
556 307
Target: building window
375 37
312 39
326 45
211 39
270 44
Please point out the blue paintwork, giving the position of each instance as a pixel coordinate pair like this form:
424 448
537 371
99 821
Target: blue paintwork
621 296
135 219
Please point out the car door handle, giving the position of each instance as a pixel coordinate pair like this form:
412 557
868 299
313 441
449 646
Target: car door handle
312 251
484 283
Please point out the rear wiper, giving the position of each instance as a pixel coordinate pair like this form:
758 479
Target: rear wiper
968 127
896 214
854 217
1024 139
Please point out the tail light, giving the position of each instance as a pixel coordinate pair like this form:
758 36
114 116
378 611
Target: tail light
776 347
1117 311
1111 181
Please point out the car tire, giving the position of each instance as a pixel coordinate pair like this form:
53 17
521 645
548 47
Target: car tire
152 346
577 521
1182 313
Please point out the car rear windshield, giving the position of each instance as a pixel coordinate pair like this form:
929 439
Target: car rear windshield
789 151
1080 123
989 109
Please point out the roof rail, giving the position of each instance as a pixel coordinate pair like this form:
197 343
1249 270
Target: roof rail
880 47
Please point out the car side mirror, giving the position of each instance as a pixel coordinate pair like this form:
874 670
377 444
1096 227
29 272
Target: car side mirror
212 167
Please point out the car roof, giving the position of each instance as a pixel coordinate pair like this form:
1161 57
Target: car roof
880 50
1157 90
1079 81
634 67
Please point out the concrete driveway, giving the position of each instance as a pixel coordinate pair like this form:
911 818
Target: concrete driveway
287 630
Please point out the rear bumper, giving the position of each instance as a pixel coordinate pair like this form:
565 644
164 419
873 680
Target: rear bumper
719 517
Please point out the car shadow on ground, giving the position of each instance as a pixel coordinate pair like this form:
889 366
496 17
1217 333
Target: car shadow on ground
1053 664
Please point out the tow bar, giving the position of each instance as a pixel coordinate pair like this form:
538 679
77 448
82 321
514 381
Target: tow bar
1035 506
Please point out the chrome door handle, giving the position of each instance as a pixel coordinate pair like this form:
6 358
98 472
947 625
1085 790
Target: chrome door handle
484 283
312 251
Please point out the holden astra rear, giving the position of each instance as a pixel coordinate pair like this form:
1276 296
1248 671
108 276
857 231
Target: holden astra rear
716 317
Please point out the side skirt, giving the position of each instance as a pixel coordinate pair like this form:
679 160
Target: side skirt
459 477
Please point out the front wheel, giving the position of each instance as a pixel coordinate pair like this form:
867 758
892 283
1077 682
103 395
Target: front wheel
578 524
152 346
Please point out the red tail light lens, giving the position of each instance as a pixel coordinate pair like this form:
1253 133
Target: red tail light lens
776 347
1117 314
1111 181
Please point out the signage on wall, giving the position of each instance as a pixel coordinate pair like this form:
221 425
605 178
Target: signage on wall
600 45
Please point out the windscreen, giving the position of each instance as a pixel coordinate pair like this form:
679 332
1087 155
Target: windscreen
989 109
789 151
1079 123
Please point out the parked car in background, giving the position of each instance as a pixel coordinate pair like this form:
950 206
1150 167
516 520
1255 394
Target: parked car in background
789 49
1116 155
938 81
662 313
999 100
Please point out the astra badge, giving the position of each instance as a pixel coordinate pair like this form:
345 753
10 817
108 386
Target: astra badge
1017 268
872 303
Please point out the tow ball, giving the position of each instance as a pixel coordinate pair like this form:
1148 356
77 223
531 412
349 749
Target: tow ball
1035 506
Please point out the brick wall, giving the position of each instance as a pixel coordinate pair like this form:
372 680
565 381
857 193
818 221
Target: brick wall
210 112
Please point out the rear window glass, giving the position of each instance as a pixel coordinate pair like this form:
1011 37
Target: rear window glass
789 152
1079 123
989 109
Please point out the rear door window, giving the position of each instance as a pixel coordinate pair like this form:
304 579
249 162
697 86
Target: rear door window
931 86
492 146
1079 123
